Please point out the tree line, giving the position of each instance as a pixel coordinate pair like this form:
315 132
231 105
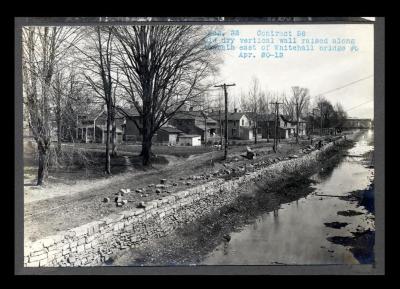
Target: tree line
317 112
154 69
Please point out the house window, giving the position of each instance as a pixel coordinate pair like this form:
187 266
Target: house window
242 121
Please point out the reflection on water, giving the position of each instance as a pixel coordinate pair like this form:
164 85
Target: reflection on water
295 233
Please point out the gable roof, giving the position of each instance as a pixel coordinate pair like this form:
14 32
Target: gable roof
193 115
284 118
171 129
231 115
132 111
189 115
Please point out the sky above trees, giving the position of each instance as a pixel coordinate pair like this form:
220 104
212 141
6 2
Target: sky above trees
318 71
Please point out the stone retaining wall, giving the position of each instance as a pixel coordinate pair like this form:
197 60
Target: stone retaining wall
93 243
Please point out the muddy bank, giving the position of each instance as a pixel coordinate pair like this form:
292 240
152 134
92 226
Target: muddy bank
361 245
336 225
364 198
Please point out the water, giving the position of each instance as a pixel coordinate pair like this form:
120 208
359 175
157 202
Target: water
296 234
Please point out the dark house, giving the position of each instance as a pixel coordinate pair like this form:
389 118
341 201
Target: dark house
129 129
168 135
194 123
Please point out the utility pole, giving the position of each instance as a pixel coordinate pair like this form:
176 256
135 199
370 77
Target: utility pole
204 113
226 116
275 146
312 123
205 130
297 121
220 126
320 113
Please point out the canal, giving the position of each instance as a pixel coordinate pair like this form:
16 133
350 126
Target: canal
326 225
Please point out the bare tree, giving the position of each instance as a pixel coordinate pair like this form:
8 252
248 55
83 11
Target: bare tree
263 108
102 77
288 107
254 104
43 47
326 110
66 94
162 68
300 99
340 115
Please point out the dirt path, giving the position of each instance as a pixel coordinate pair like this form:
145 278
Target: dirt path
67 207
34 194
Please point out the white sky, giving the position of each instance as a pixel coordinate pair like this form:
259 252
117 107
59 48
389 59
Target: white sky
318 71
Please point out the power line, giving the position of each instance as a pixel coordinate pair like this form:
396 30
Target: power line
348 84
359 105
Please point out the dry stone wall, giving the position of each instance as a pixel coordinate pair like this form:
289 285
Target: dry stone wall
93 243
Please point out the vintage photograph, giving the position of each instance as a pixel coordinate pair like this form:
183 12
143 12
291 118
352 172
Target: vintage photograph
195 144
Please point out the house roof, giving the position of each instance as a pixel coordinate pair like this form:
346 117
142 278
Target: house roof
194 115
231 115
188 115
131 111
285 118
171 129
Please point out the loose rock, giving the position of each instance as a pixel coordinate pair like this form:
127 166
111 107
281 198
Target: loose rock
141 205
227 237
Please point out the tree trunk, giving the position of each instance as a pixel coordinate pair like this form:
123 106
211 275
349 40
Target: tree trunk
267 131
297 131
107 169
255 131
114 139
205 132
58 119
146 143
146 151
43 163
